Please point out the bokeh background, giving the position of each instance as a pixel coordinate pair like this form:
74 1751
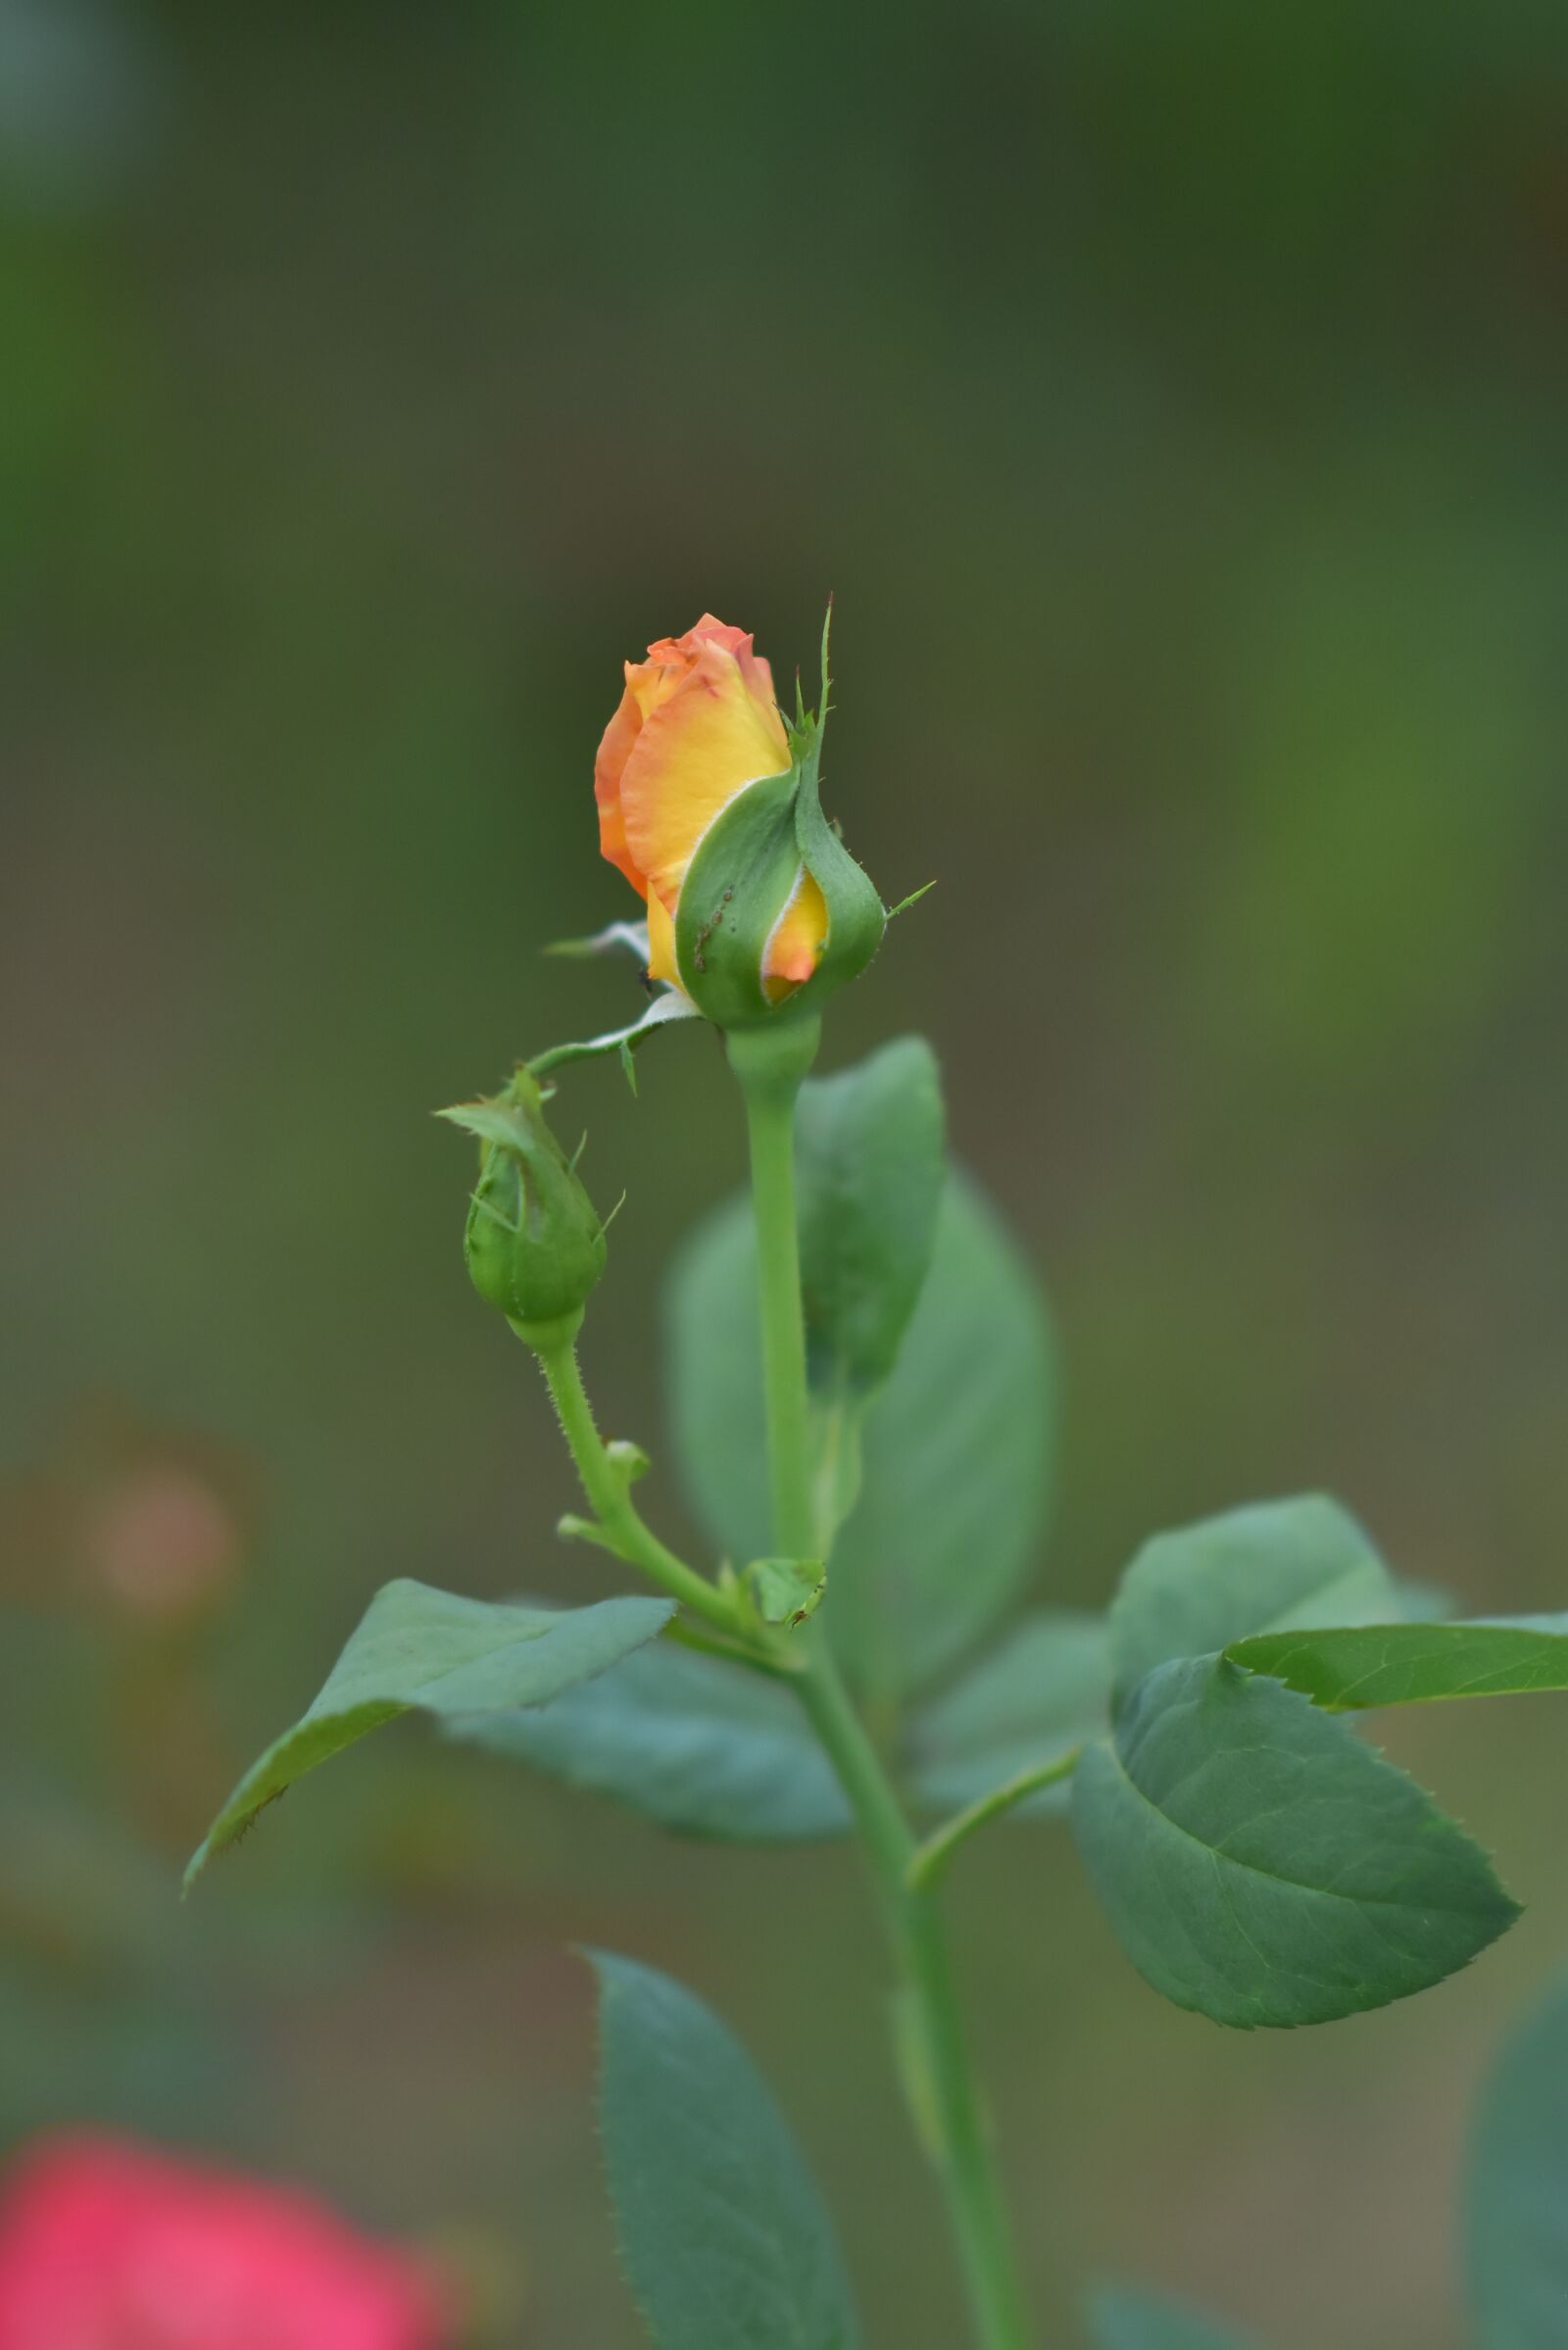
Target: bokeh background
1173 399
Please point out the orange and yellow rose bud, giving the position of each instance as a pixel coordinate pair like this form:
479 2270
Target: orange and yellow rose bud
708 803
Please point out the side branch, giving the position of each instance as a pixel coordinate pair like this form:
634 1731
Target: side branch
933 1856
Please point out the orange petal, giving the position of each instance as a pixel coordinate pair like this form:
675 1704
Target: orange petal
702 740
615 749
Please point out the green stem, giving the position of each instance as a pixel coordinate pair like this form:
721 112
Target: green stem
770 1079
772 1664
604 1484
938 2080
939 1847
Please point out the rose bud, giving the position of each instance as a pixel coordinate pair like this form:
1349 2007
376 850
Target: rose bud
708 803
534 1243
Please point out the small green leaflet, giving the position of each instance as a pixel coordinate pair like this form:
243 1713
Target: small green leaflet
696 1744
1269 1567
1517 2224
1262 1866
420 1650
1122 2318
784 1591
726 2239
660 1013
1411 1664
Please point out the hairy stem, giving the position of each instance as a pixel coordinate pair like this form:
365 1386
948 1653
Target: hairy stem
938 2080
604 1483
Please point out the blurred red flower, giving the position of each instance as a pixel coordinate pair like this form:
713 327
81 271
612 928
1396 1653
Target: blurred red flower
105 2245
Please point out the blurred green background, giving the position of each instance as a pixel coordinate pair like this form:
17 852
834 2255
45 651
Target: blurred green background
1172 397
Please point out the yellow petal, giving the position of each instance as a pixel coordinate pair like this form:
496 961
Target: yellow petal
796 945
661 962
698 744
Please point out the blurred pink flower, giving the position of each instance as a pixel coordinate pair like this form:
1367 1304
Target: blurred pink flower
105 2245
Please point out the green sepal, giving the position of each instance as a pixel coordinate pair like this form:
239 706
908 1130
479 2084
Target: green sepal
737 885
747 869
856 916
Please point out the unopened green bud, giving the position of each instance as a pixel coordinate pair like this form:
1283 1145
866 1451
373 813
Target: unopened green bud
534 1243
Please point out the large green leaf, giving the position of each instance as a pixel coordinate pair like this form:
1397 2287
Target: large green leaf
957 1446
869 1157
697 1744
725 2237
1408 1664
1042 1691
1517 2220
1269 1567
417 1648
1121 2318
1261 1865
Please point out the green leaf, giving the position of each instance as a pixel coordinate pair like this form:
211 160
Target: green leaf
1261 1865
1266 1568
700 1745
784 1591
716 1381
957 1453
957 1446
726 2239
1121 2318
869 1170
417 1648
1517 2223
1045 1691
1411 1664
